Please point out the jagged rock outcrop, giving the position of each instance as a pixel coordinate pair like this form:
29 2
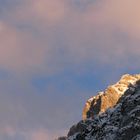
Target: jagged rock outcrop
104 100
120 122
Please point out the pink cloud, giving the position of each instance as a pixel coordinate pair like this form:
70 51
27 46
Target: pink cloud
19 50
39 135
98 26
86 34
8 130
123 14
44 134
44 11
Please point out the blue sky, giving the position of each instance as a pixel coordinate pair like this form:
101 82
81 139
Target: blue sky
54 55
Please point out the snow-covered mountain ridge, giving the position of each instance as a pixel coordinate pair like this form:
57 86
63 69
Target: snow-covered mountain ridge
120 120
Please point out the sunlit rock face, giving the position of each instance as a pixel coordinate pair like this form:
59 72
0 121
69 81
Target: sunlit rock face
119 122
108 98
113 114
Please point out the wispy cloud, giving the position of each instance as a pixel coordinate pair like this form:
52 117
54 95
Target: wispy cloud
57 33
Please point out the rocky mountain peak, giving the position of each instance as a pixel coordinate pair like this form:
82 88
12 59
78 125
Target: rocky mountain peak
113 114
108 98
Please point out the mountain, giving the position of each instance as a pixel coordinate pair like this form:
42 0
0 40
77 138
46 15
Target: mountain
108 98
113 114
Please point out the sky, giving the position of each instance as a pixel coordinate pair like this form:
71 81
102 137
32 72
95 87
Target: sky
54 55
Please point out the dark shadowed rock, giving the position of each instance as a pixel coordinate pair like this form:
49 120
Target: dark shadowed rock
62 138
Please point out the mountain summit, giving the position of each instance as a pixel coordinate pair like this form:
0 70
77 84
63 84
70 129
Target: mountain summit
108 98
113 114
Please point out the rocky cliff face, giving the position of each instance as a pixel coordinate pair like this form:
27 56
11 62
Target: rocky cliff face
111 115
108 98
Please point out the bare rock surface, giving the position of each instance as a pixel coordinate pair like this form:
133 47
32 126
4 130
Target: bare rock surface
113 114
108 98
